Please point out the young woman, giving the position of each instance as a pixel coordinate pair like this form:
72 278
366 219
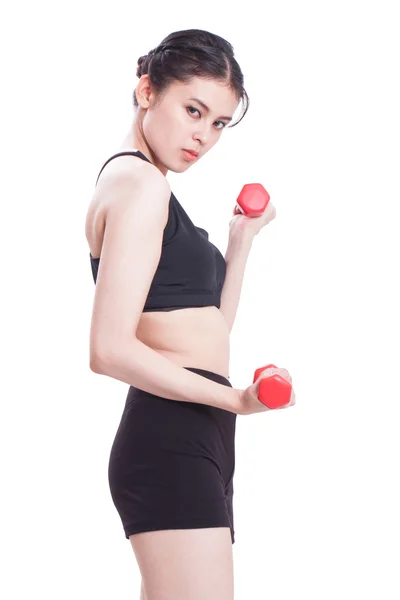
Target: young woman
164 306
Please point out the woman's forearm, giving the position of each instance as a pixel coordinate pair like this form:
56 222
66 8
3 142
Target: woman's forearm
140 366
236 256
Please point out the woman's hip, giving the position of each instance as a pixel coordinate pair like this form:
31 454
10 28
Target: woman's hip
154 429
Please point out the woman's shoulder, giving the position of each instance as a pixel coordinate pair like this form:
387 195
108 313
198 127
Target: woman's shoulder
116 174
125 164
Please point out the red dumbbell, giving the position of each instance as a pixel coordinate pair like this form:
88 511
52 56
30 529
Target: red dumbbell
274 391
252 200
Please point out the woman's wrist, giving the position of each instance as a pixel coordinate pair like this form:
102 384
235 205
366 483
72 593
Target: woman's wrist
239 242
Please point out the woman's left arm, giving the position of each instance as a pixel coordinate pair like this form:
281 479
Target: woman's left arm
236 256
242 230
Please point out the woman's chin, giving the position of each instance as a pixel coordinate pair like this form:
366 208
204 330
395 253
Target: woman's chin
181 168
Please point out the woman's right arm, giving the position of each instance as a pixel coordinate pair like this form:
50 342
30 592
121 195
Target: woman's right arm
141 366
135 221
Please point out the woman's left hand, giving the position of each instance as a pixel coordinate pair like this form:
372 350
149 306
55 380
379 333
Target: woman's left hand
241 224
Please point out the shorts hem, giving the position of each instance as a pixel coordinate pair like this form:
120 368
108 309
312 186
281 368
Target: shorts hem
192 523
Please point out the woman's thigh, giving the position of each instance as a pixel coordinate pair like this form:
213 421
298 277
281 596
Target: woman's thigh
178 564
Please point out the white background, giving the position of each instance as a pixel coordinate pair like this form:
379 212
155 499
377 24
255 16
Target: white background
316 486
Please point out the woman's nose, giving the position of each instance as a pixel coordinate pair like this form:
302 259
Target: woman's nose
201 136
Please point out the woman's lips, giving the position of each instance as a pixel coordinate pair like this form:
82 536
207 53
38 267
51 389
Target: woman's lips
189 155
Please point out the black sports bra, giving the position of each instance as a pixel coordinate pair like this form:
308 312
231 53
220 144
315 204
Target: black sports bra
191 270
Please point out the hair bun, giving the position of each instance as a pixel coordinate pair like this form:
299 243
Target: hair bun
144 58
139 65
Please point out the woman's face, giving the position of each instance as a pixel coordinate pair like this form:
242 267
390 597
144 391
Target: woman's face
189 116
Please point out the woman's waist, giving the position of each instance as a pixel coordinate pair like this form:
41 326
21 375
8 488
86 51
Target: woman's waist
189 337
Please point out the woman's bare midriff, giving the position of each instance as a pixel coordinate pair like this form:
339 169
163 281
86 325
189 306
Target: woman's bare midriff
189 337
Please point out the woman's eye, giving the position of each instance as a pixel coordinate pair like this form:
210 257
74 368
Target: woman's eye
193 108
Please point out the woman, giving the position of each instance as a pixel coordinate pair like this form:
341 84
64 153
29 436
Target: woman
164 305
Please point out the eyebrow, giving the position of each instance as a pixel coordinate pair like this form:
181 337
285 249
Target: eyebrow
207 109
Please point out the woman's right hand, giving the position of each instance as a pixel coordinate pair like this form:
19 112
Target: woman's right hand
249 403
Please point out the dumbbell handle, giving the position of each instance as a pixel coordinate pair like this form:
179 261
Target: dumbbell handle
273 391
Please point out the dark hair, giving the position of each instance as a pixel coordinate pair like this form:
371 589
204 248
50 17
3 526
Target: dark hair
192 53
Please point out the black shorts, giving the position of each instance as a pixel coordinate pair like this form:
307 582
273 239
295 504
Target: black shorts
172 463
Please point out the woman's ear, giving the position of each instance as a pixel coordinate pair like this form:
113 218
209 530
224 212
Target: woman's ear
143 91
